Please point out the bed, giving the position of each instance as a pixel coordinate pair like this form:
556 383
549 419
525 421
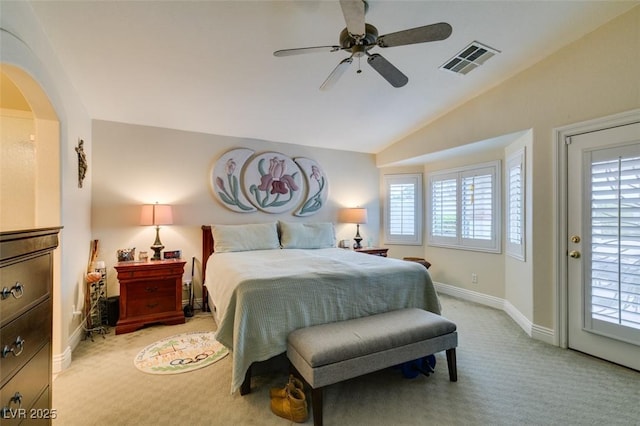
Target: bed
262 281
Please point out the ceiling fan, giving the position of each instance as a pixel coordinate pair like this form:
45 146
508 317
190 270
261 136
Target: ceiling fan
360 37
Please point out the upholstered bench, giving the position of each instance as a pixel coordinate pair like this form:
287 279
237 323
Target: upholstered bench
330 353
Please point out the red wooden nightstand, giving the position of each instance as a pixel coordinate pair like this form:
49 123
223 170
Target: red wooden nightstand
150 292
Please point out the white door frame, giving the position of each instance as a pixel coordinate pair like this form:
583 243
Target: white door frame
560 134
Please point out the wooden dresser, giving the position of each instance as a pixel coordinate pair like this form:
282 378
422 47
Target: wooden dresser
26 286
150 292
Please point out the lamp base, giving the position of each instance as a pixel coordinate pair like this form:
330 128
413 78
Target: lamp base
357 238
156 252
357 244
157 246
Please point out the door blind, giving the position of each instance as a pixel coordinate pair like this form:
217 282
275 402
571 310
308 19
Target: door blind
615 244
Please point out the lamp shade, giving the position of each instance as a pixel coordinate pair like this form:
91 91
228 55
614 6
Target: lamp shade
353 215
156 214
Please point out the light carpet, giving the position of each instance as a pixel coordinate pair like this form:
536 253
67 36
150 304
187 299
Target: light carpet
180 353
504 378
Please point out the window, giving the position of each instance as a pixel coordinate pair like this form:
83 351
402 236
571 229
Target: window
402 208
515 205
464 208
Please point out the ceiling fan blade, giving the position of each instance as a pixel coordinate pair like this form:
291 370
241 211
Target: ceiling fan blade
336 73
353 11
302 50
393 75
433 32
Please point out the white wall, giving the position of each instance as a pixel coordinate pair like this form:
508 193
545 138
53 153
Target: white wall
593 77
26 47
135 165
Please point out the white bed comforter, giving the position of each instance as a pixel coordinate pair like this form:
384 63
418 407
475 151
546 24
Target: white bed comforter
261 296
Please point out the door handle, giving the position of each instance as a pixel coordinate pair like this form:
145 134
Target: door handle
575 254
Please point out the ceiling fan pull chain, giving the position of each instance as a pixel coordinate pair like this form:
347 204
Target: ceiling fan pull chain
359 70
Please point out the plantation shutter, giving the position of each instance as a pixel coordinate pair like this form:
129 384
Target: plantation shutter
444 207
402 205
515 205
403 209
615 239
477 207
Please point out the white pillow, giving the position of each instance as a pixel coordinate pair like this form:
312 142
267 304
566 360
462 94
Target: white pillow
256 236
307 235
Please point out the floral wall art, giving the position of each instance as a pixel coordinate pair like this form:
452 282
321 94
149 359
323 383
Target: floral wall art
270 182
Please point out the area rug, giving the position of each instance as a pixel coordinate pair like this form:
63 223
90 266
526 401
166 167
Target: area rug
180 353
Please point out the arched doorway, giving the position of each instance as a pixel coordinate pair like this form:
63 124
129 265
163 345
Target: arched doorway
30 139
30 165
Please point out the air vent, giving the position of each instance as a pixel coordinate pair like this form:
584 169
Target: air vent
469 58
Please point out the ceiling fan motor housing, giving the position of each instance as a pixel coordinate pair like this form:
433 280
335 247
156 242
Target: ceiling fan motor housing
358 47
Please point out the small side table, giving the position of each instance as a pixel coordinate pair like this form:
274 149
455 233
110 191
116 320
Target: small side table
376 251
150 292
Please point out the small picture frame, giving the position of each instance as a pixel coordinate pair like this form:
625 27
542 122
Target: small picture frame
143 256
126 255
174 254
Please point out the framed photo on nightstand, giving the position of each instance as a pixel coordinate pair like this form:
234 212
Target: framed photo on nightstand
174 254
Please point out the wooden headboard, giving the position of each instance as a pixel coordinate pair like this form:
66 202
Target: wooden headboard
207 249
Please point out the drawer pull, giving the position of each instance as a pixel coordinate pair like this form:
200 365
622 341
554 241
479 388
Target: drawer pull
151 305
16 291
18 344
7 411
151 289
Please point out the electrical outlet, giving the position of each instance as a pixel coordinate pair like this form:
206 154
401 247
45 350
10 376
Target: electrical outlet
75 313
474 278
186 284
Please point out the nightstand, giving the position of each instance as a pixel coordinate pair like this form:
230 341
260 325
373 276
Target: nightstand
150 292
376 251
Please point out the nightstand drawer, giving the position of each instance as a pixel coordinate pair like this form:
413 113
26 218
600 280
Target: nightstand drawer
33 329
150 305
147 289
23 285
151 270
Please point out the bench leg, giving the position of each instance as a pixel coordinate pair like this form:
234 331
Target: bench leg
316 402
451 363
245 387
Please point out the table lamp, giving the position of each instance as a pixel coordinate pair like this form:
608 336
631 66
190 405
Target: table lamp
156 214
356 215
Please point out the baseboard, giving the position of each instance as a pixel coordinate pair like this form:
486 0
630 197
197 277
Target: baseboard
61 361
534 331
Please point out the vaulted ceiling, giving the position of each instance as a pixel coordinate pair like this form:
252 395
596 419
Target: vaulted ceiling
208 66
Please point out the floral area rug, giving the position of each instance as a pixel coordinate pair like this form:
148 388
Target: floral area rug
180 353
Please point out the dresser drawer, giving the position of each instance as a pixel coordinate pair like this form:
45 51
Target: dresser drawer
34 328
25 284
30 382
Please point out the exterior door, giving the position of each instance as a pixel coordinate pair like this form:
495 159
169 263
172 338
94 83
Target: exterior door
604 244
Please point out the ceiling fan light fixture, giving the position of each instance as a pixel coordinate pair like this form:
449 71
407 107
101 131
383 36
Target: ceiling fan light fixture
469 58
